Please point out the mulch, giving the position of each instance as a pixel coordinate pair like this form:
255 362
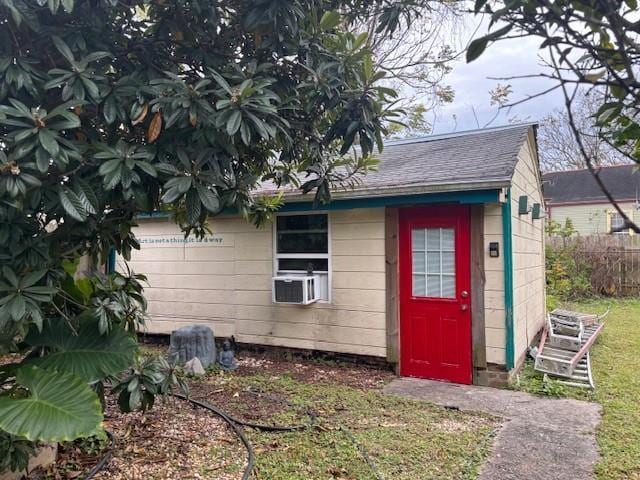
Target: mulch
176 440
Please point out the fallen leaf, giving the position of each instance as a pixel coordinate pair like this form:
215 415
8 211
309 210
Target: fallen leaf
142 116
154 128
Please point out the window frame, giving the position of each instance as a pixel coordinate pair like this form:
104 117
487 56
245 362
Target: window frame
610 216
278 256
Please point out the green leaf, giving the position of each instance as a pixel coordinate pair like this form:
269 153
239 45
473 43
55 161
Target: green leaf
330 20
72 205
478 5
476 48
194 207
48 142
61 407
88 354
208 198
233 124
63 49
42 160
86 195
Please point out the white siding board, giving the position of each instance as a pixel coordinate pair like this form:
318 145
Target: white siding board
228 285
528 252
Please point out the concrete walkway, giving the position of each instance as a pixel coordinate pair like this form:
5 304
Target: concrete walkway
541 438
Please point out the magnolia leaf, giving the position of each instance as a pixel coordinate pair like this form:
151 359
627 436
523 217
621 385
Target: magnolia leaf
208 198
87 354
329 20
48 142
233 124
142 115
61 407
194 207
72 205
154 127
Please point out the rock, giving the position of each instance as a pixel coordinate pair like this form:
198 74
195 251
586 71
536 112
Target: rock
45 455
194 367
193 341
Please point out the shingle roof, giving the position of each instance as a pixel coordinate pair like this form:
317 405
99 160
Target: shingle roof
579 185
469 160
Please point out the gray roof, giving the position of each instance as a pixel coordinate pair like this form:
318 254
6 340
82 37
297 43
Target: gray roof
468 160
579 186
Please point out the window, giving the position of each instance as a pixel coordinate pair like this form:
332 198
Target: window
433 262
302 246
616 222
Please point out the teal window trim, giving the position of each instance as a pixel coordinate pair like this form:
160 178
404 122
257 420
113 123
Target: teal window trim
508 281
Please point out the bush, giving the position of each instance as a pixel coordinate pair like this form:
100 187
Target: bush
568 275
579 266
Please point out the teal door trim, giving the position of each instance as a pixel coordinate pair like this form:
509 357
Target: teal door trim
508 281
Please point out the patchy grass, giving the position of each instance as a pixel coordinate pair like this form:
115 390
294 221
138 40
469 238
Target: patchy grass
355 431
616 367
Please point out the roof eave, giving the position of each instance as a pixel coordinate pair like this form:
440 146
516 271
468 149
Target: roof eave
397 191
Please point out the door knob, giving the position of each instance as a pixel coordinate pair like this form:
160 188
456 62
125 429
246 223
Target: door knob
464 307
464 294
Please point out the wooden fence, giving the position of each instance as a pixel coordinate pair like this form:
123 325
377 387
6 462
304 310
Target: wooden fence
612 261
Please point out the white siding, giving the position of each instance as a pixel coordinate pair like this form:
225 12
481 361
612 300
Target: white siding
228 285
494 316
528 252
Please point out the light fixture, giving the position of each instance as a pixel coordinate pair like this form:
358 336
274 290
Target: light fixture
536 212
523 205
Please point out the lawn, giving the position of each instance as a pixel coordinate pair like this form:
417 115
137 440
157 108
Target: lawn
357 432
350 429
616 366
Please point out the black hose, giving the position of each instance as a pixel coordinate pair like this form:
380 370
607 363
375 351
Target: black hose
105 458
236 423
363 453
234 426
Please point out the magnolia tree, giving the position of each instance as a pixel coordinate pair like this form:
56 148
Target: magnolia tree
108 109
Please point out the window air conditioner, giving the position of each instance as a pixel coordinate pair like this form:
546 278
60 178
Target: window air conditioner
298 289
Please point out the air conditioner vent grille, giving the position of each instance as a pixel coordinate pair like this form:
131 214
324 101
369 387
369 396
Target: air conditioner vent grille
295 289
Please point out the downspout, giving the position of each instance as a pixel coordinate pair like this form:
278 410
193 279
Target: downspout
508 280
111 260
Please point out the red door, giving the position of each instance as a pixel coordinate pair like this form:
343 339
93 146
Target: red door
435 296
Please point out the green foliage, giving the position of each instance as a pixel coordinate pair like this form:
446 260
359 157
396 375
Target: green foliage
149 377
84 352
530 381
15 451
109 109
49 406
568 274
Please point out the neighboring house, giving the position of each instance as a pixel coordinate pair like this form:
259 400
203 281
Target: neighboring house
575 194
401 264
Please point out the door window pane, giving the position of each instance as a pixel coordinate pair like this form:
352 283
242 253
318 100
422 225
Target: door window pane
433 262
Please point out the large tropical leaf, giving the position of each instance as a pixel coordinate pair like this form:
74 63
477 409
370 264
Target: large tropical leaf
61 407
87 354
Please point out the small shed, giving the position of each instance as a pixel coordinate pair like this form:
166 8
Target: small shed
435 262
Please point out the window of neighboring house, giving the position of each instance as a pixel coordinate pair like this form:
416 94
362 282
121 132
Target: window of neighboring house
616 222
302 246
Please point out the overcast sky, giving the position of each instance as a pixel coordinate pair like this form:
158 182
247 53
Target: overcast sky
472 86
